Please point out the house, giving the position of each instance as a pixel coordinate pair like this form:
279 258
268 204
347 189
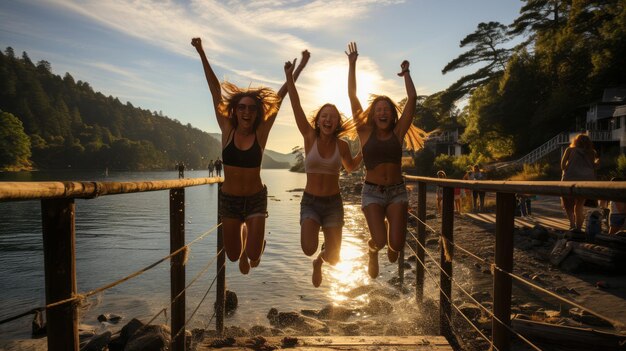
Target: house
606 119
446 142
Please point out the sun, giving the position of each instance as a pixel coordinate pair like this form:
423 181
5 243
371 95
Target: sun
331 85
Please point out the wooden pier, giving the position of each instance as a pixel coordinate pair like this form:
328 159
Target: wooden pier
309 343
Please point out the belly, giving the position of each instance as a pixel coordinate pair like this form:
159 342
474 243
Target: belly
242 181
322 184
385 174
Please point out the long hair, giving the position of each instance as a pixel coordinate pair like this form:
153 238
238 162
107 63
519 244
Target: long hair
346 127
414 138
584 142
266 100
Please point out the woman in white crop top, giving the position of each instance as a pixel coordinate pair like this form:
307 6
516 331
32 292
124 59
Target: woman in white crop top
321 204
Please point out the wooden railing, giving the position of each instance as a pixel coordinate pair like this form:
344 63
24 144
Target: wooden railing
505 211
58 227
58 209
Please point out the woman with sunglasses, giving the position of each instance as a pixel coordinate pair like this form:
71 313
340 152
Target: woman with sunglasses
321 204
384 197
245 117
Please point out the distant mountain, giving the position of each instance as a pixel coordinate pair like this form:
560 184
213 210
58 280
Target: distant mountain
271 159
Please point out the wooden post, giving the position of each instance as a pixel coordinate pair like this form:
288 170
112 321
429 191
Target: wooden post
447 226
177 267
59 246
505 212
421 238
221 273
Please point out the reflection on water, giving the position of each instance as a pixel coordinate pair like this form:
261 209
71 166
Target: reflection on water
120 234
349 272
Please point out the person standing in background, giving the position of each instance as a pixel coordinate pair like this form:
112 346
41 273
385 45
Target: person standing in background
579 163
211 167
218 167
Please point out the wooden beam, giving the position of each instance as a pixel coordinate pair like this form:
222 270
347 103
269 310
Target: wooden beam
447 249
177 268
220 291
421 238
505 215
59 247
51 190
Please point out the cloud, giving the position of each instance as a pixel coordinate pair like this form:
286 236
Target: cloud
233 32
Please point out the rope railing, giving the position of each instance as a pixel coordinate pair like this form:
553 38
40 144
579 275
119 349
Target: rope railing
470 296
182 329
516 277
450 300
80 297
83 296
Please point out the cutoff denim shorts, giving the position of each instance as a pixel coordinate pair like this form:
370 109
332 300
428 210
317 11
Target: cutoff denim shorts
325 210
383 195
243 207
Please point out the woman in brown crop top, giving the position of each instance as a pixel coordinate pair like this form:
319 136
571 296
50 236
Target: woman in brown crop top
245 117
384 195
321 204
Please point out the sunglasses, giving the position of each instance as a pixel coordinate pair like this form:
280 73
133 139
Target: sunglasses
244 107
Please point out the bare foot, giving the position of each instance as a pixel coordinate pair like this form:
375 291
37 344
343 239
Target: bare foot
244 265
256 263
392 255
317 272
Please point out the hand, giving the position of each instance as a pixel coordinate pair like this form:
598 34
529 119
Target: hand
289 67
196 43
352 52
405 68
305 58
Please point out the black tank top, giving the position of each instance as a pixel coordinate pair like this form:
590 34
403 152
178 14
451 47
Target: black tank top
250 158
377 151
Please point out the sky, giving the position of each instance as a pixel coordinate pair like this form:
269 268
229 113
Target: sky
139 51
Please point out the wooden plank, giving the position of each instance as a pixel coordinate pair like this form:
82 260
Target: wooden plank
420 343
568 338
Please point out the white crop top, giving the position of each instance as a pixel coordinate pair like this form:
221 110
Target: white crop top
315 163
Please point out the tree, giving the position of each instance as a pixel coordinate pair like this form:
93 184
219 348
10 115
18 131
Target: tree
540 16
14 143
485 47
299 166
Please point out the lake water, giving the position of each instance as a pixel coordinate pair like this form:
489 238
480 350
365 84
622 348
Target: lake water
117 235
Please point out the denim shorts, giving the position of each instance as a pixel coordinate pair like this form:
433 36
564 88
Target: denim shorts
383 195
325 210
617 219
243 207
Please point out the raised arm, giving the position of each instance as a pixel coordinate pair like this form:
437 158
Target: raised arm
406 119
282 92
349 162
214 83
269 122
355 104
303 125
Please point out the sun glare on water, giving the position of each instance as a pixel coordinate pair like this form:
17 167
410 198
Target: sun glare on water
351 271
